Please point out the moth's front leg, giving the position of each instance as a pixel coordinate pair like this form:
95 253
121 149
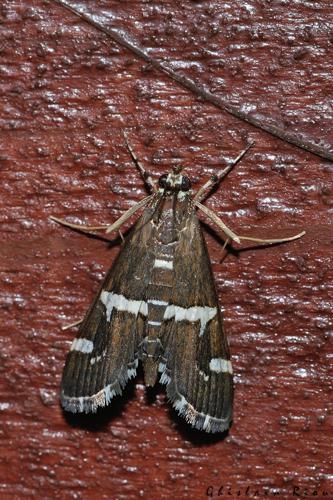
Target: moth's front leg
107 227
81 227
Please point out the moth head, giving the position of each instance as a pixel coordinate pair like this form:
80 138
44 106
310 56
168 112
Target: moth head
174 182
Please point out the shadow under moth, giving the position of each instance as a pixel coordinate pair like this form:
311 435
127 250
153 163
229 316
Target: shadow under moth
158 305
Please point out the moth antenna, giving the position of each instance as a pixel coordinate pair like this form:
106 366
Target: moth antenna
144 173
215 179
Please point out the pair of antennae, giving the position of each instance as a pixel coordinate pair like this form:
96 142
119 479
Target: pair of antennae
204 189
144 173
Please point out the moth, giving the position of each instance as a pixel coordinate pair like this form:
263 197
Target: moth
158 305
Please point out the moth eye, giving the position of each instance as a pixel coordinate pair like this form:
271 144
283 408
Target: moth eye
186 184
162 181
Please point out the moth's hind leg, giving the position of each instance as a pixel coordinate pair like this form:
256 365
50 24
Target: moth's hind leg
236 237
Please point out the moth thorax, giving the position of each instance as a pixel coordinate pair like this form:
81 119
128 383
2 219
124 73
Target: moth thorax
174 182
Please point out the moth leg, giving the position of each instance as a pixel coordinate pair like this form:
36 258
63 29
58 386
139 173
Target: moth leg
236 237
144 174
225 243
121 236
231 235
78 226
107 228
216 178
71 325
272 240
116 225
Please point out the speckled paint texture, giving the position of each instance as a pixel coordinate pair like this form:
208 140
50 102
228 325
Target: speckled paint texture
67 93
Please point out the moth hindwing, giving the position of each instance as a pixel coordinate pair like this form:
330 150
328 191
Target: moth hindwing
158 305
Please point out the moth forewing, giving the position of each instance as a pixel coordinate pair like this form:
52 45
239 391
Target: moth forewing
198 368
157 305
111 331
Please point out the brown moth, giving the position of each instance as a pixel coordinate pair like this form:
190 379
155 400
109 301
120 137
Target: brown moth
158 305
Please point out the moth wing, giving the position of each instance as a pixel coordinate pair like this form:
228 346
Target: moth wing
196 365
104 356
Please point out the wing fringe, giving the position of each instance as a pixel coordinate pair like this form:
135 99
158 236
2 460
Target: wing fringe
196 419
90 404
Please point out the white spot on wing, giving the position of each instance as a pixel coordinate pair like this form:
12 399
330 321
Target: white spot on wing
97 358
82 345
113 300
131 372
180 404
206 424
108 394
165 379
205 377
81 403
156 302
164 264
195 313
144 308
220 365
161 367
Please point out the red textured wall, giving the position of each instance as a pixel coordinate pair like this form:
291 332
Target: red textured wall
67 93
